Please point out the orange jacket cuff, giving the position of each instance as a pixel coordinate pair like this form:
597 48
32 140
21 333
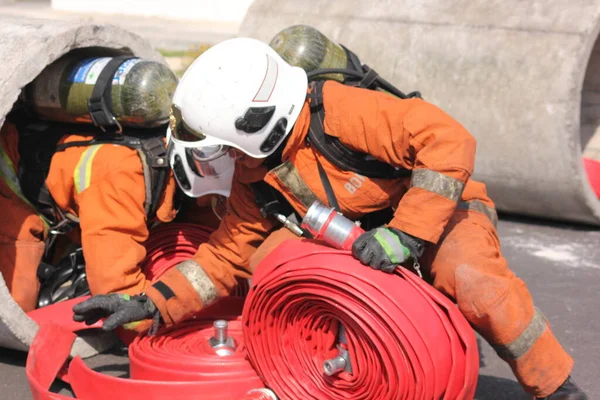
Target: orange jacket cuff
184 303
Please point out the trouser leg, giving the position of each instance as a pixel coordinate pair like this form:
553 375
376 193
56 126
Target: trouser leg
468 267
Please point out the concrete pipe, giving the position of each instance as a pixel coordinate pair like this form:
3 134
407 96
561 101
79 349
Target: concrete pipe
522 76
26 48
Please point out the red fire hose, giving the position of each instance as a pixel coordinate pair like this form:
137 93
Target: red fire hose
170 244
411 344
177 363
404 339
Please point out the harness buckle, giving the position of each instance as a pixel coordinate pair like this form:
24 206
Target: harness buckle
101 115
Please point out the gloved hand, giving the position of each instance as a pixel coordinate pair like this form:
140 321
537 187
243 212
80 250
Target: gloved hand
384 248
119 308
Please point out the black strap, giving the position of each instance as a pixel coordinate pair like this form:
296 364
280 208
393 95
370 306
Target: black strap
156 156
100 104
151 143
337 153
163 289
369 79
328 188
269 200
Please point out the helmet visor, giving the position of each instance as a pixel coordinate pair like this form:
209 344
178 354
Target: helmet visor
180 130
210 161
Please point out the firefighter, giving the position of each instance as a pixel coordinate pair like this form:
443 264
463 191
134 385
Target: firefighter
62 189
379 153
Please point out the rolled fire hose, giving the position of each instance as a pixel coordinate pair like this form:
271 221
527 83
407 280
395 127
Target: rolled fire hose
177 363
401 338
170 244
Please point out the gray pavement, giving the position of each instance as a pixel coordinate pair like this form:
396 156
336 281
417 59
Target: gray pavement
561 265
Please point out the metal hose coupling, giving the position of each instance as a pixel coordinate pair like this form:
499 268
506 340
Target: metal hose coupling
342 361
221 342
326 224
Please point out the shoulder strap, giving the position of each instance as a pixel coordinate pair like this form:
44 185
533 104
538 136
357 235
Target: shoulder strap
100 104
335 151
153 155
37 141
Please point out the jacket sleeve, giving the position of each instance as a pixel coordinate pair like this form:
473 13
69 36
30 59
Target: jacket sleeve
213 271
416 135
113 229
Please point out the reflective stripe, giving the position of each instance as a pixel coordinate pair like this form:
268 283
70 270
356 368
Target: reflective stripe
201 282
83 170
290 177
131 325
476 205
392 245
523 343
438 183
9 175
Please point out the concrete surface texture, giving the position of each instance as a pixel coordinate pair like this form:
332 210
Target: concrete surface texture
26 48
561 266
513 72
229 11
160 32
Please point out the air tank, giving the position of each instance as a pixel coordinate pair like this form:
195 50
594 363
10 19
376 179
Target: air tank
141 91
305 47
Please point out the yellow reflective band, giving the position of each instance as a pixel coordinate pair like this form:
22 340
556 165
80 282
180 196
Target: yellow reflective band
131 325
83 170
9 175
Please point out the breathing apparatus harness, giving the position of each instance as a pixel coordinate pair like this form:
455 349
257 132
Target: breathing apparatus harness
38 142
356 74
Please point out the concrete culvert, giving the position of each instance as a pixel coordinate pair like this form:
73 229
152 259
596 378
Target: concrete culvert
26 48
590 119
523 77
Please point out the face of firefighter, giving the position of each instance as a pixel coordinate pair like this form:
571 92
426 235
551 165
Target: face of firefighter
246 160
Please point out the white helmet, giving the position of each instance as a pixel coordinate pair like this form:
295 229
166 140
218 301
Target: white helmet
197 175
238 93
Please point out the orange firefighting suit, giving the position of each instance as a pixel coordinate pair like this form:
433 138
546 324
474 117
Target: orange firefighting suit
439 204
102 185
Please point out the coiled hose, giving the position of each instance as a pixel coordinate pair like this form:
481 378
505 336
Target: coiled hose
401 338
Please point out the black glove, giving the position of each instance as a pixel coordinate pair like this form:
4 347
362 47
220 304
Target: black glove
384 248
119 308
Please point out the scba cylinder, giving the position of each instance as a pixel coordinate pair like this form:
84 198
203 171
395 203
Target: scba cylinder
321 58
139 95
305 47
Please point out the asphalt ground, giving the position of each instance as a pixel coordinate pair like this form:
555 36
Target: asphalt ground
561 265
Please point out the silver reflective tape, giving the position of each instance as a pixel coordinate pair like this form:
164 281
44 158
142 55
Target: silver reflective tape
438 183
523 343
202 284
268 84
476 205
290 177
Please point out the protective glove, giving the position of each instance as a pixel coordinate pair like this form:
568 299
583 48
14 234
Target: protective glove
384 248
119 308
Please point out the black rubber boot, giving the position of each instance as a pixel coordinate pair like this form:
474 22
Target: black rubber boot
567 391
